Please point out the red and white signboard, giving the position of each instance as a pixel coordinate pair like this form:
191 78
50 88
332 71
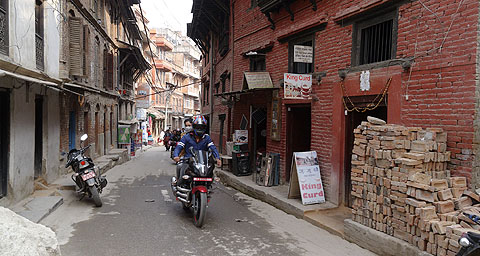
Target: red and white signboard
297 86
305 169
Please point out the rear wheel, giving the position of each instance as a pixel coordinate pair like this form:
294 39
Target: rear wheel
199 209
95 196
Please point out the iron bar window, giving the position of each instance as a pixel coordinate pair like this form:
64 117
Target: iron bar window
4 27
376 43
375 39
39 27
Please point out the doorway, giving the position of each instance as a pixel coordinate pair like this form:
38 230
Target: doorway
38 154
71 130
298 132
105 132
97 130
259 126
352 121
4 140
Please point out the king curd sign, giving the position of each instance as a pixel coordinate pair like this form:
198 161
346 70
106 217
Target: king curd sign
297 86
305 179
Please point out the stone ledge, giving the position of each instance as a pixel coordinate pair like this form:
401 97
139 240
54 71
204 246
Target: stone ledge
378 242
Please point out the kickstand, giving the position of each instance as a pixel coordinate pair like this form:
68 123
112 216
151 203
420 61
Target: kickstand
83 195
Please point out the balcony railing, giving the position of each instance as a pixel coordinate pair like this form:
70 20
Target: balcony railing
39 53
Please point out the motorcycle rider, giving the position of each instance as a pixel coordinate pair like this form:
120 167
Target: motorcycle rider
198 139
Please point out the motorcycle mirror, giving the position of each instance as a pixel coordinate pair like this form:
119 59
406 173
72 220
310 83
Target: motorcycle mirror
84 137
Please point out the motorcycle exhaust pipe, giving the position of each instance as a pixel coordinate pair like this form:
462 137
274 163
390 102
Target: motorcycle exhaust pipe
180 194
184 190
183 200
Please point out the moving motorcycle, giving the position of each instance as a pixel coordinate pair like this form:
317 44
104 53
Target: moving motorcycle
88 181
173 145
195 191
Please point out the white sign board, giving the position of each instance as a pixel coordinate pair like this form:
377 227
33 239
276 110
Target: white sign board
302 54
141 114
305 169
297 86
241 136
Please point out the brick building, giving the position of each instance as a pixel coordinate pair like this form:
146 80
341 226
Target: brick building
101 61
421 58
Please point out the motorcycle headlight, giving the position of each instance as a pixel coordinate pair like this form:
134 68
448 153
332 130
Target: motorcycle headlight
464 242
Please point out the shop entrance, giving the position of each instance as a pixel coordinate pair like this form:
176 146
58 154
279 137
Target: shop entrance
4 140
352 121
259 126
298 132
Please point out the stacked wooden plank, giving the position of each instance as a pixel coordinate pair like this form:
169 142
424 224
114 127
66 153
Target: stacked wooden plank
401 186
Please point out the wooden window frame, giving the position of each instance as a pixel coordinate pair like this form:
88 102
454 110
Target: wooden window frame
371 20
298 41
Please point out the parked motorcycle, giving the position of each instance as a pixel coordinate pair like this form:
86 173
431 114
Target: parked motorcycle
194 192
88 181
470 242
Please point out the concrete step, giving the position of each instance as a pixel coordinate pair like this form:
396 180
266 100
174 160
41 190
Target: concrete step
39 207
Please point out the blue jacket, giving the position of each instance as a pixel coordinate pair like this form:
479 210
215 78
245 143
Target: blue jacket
188 141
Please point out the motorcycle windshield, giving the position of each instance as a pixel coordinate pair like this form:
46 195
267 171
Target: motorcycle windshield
201 156
202 159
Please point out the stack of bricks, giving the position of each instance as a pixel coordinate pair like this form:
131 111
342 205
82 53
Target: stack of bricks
401 187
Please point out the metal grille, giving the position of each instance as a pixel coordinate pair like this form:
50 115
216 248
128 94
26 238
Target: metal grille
39 51
376 43
3 28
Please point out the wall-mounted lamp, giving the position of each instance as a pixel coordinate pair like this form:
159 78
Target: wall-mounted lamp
318 76
342 73
407 64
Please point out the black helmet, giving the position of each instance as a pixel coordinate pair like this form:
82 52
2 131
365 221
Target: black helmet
199 125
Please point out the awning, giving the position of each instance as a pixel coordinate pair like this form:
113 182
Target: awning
138 58
257 80
86 88
51 85
155 113
130 122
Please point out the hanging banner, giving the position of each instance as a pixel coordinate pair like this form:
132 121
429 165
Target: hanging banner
305 179
297 86
124 134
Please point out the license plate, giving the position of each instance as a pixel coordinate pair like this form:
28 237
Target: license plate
202 179
88 176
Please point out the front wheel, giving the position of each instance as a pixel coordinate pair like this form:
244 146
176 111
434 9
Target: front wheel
95 196
199 209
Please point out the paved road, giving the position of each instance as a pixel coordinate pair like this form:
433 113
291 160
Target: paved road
139 217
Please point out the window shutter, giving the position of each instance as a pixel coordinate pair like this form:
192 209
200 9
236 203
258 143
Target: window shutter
86 37
76 45
110 71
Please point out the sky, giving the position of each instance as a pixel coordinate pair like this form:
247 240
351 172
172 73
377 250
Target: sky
174 14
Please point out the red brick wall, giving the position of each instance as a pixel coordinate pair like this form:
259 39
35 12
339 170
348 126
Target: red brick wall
440 84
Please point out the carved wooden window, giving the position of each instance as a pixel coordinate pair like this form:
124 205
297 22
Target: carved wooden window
4 27
257 63
39 38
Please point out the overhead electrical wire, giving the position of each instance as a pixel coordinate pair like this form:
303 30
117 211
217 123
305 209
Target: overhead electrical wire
166 90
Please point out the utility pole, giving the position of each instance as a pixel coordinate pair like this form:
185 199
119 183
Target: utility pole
168 94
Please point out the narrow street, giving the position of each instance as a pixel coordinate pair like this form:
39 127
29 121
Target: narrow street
139 217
